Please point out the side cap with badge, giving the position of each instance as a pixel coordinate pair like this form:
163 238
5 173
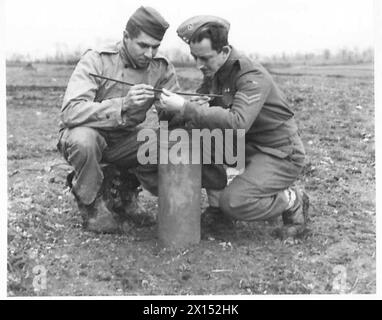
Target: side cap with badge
186 30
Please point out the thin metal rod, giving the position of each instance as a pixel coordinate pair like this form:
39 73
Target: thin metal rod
158 90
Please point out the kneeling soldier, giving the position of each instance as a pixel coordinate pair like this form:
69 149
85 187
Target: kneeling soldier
99 118
274 153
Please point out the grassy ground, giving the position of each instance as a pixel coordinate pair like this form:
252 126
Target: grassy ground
335 112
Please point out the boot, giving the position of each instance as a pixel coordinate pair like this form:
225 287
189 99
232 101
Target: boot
97 217
215 218
125 191
295 219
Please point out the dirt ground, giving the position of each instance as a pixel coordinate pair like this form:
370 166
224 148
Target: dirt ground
50 255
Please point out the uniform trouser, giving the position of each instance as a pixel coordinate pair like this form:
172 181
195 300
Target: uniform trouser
86 148
258 193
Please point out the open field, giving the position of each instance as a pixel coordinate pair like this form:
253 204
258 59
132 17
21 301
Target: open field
337 71
335 111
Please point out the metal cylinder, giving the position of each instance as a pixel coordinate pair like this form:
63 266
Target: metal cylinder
179 204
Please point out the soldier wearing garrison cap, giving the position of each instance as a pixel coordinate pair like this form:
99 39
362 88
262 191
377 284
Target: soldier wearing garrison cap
150 22
190 26
251 100
99 118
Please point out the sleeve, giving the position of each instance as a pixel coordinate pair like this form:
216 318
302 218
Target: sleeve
79 106
169 82
253 89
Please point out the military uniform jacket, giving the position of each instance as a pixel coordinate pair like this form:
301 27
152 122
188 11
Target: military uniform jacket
97 103
251 101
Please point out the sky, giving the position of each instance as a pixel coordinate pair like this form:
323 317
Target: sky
265 27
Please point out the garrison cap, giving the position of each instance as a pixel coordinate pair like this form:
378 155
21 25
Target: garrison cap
187 29
150 21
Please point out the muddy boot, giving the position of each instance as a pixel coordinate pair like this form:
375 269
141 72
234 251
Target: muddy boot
214 218
125 192
295 219
134 211
98 218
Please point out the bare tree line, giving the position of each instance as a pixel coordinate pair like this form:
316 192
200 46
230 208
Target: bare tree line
183 59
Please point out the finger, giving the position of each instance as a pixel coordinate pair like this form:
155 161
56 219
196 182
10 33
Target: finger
166 92
163 97
145 97
140 86
140 91
148 87
140 97
200 99
193 99
204 98
149 93
136 92
144 88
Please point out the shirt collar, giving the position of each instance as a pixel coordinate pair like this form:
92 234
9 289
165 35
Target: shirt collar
126 58
228 65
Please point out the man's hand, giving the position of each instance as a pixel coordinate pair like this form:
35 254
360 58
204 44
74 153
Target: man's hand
137 96
172 102
202 100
